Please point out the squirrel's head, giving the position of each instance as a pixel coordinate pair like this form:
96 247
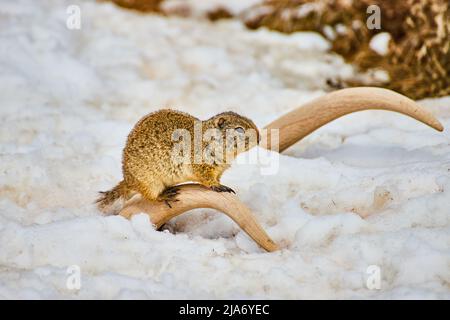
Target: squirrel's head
238 132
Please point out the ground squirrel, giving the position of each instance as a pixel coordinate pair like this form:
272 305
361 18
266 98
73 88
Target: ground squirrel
150 168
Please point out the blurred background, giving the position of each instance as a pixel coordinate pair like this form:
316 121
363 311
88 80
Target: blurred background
410 40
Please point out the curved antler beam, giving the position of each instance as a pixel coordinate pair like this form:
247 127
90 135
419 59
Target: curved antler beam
292 127
300 122
193 196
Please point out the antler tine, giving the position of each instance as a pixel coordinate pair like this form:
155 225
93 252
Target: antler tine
300 122
192 196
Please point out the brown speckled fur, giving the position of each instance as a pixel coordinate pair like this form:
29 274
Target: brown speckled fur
147 163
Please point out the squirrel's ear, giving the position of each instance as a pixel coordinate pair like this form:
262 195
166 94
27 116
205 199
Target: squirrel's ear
220 122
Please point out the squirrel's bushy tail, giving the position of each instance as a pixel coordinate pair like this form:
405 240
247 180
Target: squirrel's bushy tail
112 201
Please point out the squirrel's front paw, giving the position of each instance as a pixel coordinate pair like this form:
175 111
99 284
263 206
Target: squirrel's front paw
222 188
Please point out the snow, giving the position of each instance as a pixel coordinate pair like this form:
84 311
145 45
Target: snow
199 8
369 189
380 43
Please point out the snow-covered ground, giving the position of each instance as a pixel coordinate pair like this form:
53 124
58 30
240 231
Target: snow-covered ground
68 98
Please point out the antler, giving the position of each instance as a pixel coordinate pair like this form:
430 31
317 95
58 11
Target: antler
192 196
300 122
293 126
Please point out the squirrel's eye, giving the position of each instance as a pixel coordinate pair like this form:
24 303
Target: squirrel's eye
240 130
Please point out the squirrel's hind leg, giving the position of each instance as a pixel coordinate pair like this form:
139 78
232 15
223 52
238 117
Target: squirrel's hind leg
169 194
151 190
